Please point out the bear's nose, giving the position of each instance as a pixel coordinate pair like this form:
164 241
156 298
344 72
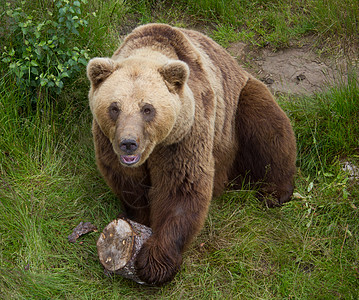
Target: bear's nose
129 146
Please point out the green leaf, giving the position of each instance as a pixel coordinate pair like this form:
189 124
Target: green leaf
75 31
82 61
39 27
310 186
34 71
63 10
71 62
34 63
43 81
6 60
60 84
328 174
12 52
51 84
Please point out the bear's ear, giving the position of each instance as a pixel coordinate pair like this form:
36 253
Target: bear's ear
175 74
98 69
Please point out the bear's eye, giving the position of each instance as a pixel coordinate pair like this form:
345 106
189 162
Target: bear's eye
113 111
148 112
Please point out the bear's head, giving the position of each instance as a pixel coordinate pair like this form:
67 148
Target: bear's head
140 103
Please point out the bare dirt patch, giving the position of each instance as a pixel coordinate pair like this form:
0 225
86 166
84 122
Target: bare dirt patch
293 70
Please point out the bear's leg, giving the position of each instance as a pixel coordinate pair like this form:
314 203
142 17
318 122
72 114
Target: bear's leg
267 147
178 211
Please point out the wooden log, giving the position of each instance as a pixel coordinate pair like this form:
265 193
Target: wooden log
80 230
118 246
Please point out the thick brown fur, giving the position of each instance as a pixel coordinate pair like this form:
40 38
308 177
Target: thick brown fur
176 120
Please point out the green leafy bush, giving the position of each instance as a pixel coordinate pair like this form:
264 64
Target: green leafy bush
40 55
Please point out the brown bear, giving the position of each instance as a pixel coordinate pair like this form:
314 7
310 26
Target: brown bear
176 121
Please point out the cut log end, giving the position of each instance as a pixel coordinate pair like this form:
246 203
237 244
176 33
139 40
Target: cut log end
118 246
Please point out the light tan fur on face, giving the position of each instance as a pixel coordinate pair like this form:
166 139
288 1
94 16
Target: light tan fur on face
133 83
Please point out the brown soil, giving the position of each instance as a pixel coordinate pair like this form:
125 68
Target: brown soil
293 70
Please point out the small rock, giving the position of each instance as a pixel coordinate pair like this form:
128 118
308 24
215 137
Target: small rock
301 77
267 80
351 169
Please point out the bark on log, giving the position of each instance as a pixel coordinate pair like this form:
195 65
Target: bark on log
80 230
118 246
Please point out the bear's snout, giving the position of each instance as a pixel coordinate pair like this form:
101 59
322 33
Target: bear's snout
128 146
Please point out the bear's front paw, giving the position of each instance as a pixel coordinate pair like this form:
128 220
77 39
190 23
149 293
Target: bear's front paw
157 265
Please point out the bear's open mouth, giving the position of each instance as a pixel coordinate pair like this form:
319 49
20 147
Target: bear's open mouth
130 159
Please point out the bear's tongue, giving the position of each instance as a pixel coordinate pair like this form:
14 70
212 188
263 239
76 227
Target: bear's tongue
130 159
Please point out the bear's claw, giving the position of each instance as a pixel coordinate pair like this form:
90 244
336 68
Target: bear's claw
156 267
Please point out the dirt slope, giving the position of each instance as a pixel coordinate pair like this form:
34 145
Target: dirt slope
292 70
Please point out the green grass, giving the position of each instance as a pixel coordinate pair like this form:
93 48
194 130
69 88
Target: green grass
277 23
261 23
326 125
307 249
